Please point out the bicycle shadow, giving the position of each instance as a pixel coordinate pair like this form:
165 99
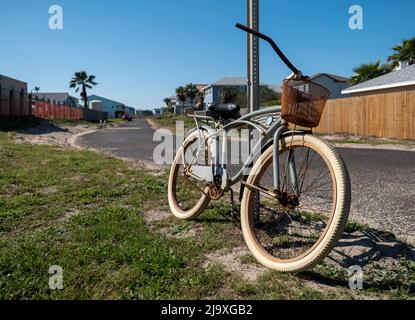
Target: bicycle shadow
369 249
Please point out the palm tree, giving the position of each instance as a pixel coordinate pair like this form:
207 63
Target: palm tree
36 89
228 95
167 101
200 100
191 92
369 71
181 94
81 81
404 52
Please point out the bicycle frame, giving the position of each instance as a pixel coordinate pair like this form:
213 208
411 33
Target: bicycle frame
271 131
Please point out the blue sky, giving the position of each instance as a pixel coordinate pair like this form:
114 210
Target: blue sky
141 51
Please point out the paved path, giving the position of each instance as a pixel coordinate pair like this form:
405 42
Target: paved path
383 181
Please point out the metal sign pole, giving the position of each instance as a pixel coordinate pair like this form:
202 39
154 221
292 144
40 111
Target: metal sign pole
253 73
253 56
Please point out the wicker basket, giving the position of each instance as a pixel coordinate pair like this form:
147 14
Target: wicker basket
303 102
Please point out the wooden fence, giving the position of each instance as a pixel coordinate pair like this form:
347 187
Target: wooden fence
388 115
14 103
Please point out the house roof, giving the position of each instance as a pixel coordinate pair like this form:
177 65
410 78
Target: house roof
57 96
200 87
333 76
231 81
3 77
95 97
394 79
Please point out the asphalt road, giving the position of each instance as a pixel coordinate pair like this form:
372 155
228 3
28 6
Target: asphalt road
383 181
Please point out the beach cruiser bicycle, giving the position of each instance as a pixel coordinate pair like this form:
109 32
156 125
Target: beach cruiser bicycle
294 186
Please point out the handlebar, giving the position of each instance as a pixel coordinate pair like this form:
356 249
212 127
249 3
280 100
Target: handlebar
273 45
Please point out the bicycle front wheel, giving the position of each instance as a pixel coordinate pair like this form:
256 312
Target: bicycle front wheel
296 228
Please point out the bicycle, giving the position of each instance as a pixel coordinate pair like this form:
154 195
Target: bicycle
295 198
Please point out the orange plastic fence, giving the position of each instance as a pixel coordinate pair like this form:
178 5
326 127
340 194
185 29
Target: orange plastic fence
45 110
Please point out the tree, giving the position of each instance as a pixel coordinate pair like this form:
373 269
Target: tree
404 52
181 94
200 101
80 82
228 95
36 89
191 92
269 97
369 71
167 101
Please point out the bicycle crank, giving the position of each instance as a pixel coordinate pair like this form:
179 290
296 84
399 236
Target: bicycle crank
290 201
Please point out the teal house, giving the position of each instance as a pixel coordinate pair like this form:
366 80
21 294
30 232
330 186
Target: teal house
113 108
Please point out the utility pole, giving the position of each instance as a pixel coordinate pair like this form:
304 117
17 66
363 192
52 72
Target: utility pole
253 56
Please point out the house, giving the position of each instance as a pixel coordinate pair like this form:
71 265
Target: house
157 112
147 113
396 81
114 108
336 84
13 97
130 111
58 98
212 92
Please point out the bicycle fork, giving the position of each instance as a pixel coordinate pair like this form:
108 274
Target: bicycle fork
276 163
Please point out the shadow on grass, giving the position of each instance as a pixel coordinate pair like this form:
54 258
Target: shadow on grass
31 125
387 262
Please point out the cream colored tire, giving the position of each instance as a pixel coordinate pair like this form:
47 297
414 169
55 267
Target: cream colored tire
204 200
333 230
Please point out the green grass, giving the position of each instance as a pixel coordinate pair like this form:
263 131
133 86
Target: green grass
85 212
169 121
115 121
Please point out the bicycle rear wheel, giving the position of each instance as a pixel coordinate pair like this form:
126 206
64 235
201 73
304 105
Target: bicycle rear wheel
188 197
295 229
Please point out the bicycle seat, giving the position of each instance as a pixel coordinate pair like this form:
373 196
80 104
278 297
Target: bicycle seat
225 111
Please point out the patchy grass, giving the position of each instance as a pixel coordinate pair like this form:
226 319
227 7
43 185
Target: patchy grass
86 213
169 120
375 141
353 226
115 121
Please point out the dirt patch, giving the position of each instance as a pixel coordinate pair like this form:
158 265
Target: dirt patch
68 215
154 125
48 190
233 262
153 216
49 134
190 231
